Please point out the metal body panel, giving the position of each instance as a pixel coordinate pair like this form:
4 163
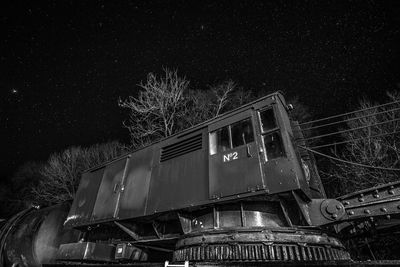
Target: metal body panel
293 152
237 175
133 198
85 198
238 167
109 190
180 182
279 175
179 172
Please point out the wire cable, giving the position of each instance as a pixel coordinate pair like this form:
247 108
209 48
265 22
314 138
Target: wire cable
348 141
349 130
348 113
351 119
349 162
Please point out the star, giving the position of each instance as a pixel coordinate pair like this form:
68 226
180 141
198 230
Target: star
14 91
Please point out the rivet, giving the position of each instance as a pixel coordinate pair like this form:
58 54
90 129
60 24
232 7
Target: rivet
367 212
334 216
383 209
350 212
346 203
391 192
388 217
361 199
376 196
361 195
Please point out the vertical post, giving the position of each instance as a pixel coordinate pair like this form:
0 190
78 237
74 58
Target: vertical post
242 215
215 217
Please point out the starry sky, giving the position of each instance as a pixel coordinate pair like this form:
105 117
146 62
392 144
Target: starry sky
64 64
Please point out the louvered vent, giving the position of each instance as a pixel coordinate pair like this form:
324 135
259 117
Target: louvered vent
182 147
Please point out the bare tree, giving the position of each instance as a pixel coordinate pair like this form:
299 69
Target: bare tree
222 93
372 151
62 172
156 110
166 105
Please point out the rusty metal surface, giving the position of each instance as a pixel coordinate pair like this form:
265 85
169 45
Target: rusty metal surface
325 211
261 252
263 245
378 201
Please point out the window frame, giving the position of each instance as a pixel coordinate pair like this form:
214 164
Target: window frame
263 133
260 120
229 127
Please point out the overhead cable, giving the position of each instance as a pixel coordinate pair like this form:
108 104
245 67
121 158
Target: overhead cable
348 113
351 119
349 130
349 162
348 141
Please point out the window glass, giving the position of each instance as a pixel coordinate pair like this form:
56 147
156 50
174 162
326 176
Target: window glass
273 146
267 120
242 133
219 140
213 143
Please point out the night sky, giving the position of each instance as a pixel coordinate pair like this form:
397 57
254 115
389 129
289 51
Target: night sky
64 64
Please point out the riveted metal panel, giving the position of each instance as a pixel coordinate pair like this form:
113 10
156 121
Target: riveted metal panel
133 198
280 175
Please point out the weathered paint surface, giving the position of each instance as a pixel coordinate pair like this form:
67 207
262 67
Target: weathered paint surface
179 172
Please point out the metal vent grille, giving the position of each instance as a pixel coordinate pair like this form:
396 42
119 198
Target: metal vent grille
182 147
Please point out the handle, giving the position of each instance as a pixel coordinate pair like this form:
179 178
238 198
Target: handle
116 186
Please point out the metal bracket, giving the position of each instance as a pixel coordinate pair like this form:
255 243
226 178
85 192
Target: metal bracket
377 201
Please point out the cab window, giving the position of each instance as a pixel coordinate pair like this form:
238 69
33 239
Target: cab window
231 136
267 119
242 133
273 145
270 134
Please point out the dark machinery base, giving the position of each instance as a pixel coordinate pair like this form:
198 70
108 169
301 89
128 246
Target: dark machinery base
264 245
243 264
